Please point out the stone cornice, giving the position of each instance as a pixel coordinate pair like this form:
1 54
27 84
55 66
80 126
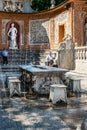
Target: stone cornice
58 9
79 1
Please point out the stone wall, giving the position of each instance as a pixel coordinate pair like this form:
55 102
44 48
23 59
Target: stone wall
78 28
35 30
45 30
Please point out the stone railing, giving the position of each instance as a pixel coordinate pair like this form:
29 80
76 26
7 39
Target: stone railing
81 53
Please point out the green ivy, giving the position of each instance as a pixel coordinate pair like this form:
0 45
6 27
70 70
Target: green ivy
41 5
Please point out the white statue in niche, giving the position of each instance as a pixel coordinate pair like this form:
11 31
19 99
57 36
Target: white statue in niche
12 33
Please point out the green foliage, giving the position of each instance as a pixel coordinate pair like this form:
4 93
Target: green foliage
40 5
57 2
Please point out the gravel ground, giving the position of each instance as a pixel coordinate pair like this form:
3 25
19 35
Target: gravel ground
38 113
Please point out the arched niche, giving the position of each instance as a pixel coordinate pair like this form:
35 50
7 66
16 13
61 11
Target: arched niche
8 26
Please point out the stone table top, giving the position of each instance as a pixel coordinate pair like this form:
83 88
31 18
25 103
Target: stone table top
42 69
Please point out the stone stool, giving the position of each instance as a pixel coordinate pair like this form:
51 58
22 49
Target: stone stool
57 93
14 86
75 84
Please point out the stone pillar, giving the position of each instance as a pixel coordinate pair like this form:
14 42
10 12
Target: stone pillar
66 54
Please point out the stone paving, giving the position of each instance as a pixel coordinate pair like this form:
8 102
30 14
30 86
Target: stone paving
38 113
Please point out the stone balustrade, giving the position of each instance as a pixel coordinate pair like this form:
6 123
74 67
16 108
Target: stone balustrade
81 53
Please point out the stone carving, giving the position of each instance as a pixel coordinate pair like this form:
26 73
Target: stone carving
39 31
12 33
10 6
52 3
66 54
67 43
67 39
43 83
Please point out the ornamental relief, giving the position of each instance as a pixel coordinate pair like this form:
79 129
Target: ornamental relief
77 8
80 12
83 15
39 31
60 20
11 6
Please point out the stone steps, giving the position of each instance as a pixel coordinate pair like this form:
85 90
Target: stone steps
9 68
17 57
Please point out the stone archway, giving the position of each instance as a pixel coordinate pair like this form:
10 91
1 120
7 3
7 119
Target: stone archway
9 33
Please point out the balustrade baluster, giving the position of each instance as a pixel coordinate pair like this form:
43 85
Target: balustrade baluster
81 53
80 57
78 54
86 54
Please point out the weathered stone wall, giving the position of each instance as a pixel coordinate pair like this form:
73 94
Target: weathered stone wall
41 30
61 19
66 59
35 30
78 28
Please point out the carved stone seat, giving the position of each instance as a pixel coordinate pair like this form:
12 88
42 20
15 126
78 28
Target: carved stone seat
57 93
75 84
14 86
